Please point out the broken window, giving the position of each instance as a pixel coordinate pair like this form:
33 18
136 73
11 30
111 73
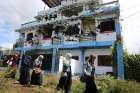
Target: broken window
72 12
47 35
29 36
46 31
107 26
75 57
104 60
86 58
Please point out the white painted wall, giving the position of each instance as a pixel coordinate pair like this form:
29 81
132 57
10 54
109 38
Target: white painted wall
96 52
106 36
77 65
47 42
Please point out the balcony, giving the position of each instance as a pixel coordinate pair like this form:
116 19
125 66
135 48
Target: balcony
19 43
70 2
73 35
111 36
71 40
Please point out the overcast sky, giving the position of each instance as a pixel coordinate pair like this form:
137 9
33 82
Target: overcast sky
15 12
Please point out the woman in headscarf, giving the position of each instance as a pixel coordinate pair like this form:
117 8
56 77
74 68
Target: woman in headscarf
25 71
12 65
90 75
65 81
36 77
9 69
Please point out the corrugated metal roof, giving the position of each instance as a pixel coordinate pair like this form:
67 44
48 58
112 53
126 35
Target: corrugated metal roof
52 3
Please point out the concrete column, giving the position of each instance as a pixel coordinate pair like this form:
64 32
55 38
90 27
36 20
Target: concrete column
82 57
21 57
53 60
119 50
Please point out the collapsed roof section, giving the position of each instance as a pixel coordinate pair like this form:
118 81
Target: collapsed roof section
47 17
52 3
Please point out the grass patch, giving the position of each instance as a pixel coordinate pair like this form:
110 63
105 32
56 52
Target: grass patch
105 84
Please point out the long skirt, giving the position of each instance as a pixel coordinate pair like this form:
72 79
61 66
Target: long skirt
24 76
65 83
90 86
36 78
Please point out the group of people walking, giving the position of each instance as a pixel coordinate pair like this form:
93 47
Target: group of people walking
36 76
25 78
65 81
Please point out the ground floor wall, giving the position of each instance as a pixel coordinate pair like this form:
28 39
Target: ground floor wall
102 55
54 59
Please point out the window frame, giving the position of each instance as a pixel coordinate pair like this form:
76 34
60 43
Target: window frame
109 64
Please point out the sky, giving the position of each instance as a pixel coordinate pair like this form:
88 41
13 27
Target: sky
13 13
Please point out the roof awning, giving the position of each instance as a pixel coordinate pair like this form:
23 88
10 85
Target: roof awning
52 3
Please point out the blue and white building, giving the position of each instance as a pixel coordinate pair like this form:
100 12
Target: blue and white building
81 27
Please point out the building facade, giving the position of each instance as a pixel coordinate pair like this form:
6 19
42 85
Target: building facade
81 27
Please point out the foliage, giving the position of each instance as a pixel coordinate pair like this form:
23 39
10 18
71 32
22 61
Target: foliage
77 86
105 84
132 66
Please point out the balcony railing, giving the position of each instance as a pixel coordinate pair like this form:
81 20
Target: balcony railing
19 43
67 40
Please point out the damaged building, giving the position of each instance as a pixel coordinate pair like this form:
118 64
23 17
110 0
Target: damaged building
81 27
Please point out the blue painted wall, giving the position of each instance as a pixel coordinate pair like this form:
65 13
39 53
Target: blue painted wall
82 57
119 50
78 45
21 57
53 60
68 46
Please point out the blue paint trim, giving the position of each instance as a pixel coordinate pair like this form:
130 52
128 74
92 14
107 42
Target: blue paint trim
21 55
87 44
18 49
117 27
53 60
78 45
120 64
82 56
119 50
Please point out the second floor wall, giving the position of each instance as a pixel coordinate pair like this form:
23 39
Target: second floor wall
84 30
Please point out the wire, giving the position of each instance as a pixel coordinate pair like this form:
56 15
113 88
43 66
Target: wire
16 10
132 14
11 6
130 8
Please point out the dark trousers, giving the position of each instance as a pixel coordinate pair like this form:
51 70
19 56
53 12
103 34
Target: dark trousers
24 76
65 83
90 86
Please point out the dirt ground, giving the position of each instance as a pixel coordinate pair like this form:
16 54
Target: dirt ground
12 86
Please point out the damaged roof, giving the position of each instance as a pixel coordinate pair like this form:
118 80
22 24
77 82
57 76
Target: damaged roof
52 3
101 10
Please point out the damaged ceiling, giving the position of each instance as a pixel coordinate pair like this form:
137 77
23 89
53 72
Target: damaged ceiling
52 3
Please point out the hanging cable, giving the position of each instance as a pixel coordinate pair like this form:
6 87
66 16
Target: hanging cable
132 14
